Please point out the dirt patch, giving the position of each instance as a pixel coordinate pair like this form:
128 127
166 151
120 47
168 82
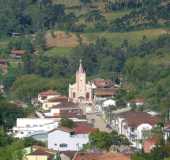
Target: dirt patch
62 39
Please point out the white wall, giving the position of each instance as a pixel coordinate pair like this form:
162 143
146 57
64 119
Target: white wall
33 122
74 143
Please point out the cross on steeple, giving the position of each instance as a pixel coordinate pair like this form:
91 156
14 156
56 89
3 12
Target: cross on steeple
81 70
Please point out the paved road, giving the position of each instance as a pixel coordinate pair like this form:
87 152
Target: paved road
98 122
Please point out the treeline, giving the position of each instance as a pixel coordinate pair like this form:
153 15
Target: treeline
20 17
151 14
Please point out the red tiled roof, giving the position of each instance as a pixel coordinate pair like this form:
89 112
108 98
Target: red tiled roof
149 144
64 129
101 156
135 118
83 128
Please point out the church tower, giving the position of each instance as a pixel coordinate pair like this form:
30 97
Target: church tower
81 80
80 91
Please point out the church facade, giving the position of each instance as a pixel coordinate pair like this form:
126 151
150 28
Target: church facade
81 91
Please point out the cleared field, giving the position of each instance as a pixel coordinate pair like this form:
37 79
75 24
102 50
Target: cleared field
116 38
64 40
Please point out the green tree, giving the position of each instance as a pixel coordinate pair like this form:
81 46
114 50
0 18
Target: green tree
66 122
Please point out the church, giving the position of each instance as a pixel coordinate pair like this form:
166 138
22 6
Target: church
81 91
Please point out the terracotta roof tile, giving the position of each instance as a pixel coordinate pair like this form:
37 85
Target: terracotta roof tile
101 156
135 118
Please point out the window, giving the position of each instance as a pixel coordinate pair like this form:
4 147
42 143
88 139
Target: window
63 145
74 94
87 95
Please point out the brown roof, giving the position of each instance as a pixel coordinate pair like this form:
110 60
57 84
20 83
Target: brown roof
43 152
58 99
66 104
101 156
84 128
137 100
18 52
102 83
105 91
48 93
135 118
3 61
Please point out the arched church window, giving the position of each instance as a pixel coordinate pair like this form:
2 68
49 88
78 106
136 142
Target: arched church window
74 94
87 95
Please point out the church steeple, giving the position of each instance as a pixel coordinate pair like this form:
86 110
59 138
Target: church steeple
81 70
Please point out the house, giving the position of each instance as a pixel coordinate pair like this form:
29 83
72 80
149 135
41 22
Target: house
103 88
3 66
135 125
100 156
138 102
1 89
66 139
65 109
167 130
42 153
53 101
45 95
80 91
17 53
100 107
149 144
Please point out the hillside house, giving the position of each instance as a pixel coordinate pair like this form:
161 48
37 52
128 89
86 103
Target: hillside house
66 139
135 125
3 66
65 109
17 53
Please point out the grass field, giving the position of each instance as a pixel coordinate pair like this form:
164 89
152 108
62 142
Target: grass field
59 51
117 14
68 3
116 38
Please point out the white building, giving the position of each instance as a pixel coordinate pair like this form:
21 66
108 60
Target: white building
27 127
136 126
65 139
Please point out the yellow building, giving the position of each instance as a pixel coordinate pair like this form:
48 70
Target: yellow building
41 154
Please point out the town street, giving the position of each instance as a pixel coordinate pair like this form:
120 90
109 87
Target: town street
97 121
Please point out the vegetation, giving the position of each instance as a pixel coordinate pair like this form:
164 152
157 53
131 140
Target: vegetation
103 140
66 122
